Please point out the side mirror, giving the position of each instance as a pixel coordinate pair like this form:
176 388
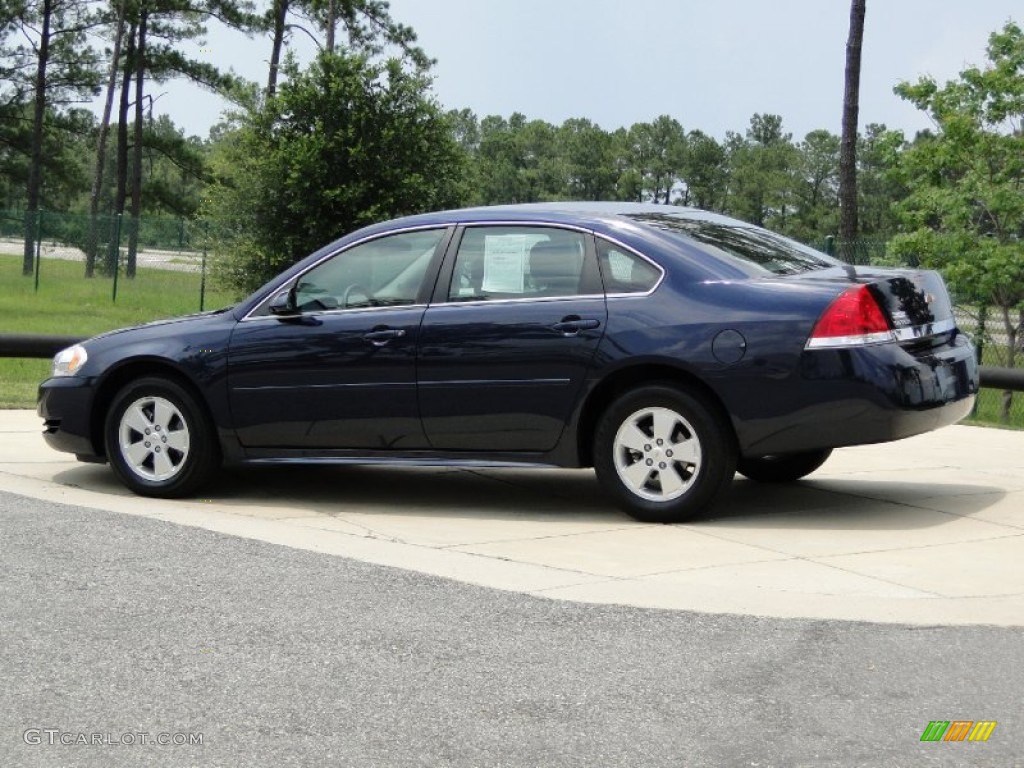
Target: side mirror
283 305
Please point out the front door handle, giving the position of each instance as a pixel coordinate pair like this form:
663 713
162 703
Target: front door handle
381 336
572 325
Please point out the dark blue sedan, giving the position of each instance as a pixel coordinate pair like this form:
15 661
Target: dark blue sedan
666 347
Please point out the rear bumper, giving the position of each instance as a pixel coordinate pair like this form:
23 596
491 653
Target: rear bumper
869 395
65 406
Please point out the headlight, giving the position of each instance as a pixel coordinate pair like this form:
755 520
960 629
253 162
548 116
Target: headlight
68 361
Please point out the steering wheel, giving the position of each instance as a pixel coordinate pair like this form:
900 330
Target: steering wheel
354 290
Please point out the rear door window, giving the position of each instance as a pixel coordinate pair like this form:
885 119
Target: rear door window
511 262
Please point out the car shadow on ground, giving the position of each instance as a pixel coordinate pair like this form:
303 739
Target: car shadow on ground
560 496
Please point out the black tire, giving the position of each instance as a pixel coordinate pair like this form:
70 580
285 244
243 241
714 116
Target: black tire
676 487
784 468
177 456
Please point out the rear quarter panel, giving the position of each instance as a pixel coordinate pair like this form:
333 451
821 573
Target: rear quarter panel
677 326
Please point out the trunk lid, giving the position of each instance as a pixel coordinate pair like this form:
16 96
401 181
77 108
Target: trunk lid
915 302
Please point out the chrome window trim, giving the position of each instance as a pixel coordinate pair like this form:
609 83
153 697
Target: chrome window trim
520 300
332 254
249 316
576 228
533 224
320 313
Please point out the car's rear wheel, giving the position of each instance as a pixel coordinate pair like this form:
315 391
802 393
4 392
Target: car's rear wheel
784 468
159 441
663 454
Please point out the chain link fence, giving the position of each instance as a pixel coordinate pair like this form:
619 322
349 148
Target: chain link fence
154 260
993 346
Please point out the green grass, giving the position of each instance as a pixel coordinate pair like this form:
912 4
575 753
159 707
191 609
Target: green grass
69 305
990 407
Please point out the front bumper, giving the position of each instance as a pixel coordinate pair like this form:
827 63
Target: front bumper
65 406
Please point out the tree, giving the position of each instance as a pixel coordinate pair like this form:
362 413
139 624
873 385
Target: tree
880 180
53 63
655 158
368 25
589 160
965 210
848 230
345 143
499 160
816 186
519 161
158 27
706 172
99 166
762 172
466 132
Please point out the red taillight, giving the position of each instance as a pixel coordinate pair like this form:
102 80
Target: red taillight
851 320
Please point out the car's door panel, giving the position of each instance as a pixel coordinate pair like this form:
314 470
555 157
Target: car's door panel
345 382
502 374
340 371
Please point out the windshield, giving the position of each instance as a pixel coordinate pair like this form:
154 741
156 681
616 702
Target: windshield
752 249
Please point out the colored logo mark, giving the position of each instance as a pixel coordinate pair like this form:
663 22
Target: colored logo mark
958 730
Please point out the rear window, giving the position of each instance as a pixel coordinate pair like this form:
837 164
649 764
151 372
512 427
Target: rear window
751 249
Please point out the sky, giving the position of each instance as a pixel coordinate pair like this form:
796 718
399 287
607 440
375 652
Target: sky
711 64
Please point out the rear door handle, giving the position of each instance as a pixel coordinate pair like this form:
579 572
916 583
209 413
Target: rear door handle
572 325
381 336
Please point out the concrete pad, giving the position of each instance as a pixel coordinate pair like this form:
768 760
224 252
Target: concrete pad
459 528
637 551
741 598
856 527
965 569
928 530
786 584
1006 509
915 485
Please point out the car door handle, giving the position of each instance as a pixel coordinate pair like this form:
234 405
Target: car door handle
573 325
381 336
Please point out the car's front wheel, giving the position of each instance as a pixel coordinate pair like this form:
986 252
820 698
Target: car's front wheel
663 454
784 468
159 441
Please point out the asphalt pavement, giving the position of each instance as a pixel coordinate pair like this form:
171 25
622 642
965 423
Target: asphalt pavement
120 628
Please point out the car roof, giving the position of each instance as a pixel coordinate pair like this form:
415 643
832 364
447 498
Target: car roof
579 212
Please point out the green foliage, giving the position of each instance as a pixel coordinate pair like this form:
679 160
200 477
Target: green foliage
964 212
589 160
761 188
71 70
656 156
65 153
345 143
519 161
707 172
880 179
816 186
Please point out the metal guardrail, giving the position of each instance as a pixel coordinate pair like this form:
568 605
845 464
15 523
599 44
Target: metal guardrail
29 345
1002 378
